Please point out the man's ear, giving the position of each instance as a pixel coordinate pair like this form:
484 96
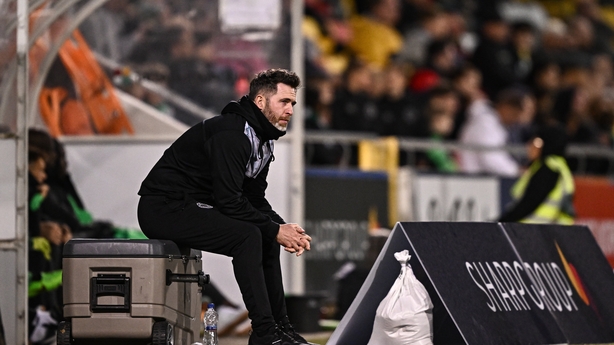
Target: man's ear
260 101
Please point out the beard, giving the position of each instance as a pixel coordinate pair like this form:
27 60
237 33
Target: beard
268 113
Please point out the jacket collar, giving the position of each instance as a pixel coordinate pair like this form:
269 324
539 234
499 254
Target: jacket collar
247 109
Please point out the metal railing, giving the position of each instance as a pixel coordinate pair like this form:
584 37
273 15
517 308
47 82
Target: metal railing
413 146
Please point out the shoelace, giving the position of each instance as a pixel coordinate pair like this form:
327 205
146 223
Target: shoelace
292 333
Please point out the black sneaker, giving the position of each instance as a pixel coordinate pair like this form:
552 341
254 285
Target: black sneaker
277 338
286 327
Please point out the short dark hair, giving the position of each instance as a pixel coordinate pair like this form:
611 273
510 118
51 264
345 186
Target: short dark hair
266 81
441 90
436 47
34 155
41 141
462 71
512 97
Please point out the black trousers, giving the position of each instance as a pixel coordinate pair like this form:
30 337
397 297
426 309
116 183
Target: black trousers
255 260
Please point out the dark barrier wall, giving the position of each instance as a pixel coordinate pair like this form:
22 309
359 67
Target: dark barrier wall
593 201
576 280
340 208
496 284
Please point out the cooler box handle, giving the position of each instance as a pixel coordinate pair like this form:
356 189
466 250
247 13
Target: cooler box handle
109 285
200 278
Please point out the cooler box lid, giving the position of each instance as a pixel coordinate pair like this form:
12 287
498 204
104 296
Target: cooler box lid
112 247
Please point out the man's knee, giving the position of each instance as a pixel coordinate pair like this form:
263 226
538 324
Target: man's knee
249 244
252 234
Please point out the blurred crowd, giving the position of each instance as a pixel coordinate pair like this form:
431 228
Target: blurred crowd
486 72
479 72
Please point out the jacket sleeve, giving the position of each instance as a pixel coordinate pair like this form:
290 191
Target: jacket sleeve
229 152
541 184
254 189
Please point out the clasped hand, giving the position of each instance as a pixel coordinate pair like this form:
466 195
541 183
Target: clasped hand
293 238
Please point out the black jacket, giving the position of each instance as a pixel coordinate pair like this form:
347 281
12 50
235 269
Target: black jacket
541 184
495 61
223 162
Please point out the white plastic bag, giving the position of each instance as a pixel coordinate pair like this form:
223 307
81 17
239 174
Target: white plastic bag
405 315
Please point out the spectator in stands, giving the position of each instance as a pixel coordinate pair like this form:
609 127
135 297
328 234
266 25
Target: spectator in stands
573 44
155 45
465 39
525 128
319 96
38 191
44 257
493 57
413 11
582 37
603 32
544 193
571 111
602 74
441 100
485 125
327 32
442 60
438 123
378 85
194 73
433 26
523 41
601 112
113 30
464 76
440 126
61 207
601 102
398 109
545 82
375 39
46 215
353 108
218 81
41 151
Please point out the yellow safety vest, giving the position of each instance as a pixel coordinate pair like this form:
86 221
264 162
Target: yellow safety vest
558 206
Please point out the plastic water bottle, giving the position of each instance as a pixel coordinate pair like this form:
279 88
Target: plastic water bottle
210 337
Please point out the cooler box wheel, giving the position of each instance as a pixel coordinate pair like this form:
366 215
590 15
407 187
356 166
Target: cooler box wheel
63 335
162 334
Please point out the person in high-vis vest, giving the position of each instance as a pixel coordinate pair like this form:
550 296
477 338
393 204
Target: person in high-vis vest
544 193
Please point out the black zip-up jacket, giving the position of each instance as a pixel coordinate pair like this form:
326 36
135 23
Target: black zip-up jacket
223 162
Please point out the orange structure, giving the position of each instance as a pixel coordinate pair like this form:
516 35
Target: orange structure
93 107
